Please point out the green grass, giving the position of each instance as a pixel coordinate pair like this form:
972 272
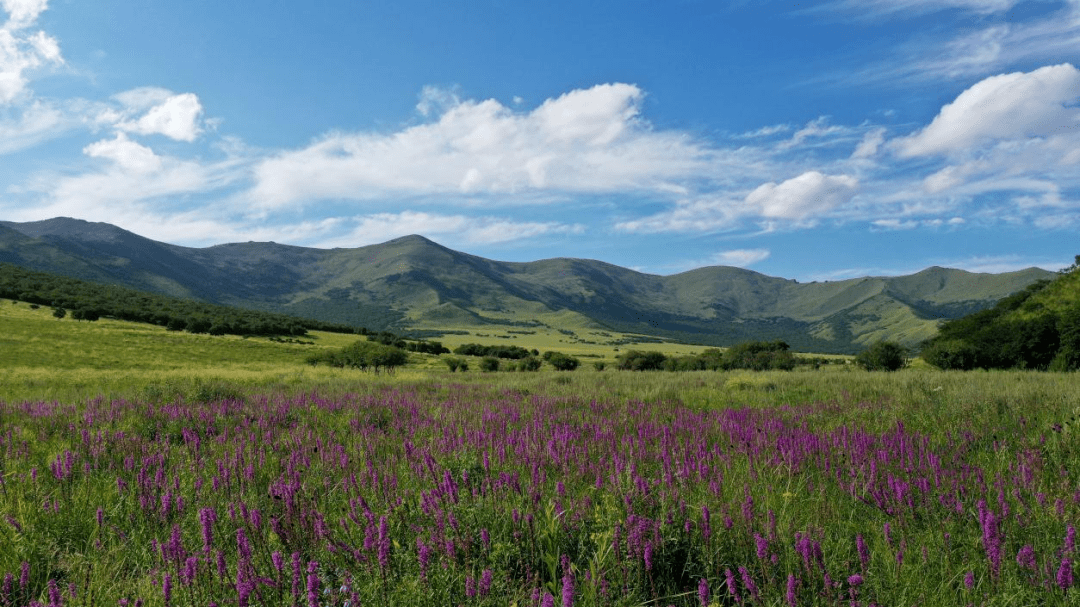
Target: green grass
254 402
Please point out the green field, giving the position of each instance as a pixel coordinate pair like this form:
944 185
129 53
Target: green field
176 469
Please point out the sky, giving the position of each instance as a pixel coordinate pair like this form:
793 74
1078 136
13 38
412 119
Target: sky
806 140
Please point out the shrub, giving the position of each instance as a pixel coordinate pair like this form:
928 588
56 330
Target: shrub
489 363
950 354
883 356
635 360
529 363
562 362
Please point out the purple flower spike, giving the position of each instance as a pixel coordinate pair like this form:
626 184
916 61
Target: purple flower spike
969 580
792 585
1065 574
485 582
703 592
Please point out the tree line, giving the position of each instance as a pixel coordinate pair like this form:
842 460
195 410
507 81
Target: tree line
1020 332
89 301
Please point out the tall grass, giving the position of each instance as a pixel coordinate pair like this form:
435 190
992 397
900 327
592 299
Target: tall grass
583 488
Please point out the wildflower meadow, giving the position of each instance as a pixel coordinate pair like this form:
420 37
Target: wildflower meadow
489 493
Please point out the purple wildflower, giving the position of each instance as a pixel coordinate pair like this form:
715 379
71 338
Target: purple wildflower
792 585
1026 557
568 588
969 580
470 587
547 600
24 576
1065 574
855 581
1070 540
762 546
54 594
278 560
485 582
384 544
166 588
748 583
864 552
313 585
729 577
423 555
703 592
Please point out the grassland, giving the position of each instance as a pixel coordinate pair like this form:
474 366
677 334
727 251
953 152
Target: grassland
183 470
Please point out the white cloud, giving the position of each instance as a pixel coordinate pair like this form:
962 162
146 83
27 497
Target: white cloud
901 8
175 116
381 227
818 128
125 153
804 196
22 13
20 51
1009 106
895 224
585 141
870 143
740 257
966 51
36 123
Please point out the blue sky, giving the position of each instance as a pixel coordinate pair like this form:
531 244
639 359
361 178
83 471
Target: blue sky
808 140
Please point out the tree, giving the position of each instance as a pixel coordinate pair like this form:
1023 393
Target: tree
59 312
883 356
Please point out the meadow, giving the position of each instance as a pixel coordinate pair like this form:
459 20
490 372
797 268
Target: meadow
210 477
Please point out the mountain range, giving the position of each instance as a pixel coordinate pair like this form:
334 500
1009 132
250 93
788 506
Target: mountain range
412 284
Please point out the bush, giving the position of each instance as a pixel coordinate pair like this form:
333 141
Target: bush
950 354
454 364
489 363
635 360
561 362
599 365
759 356
363 355
529 363
883 356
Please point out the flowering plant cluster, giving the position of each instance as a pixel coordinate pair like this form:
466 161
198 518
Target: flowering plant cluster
474 495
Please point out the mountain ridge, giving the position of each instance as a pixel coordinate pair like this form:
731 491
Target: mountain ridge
412 282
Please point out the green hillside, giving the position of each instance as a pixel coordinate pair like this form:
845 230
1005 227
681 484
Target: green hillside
1037 328
413 284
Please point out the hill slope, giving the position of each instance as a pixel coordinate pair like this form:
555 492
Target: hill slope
412 282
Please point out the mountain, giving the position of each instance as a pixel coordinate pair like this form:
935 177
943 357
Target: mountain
414 283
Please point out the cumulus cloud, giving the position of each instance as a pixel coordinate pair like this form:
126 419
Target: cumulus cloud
585 141
151 110
125 153
22 51
1009 106
801 197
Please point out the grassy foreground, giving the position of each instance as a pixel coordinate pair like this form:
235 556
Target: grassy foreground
194 475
